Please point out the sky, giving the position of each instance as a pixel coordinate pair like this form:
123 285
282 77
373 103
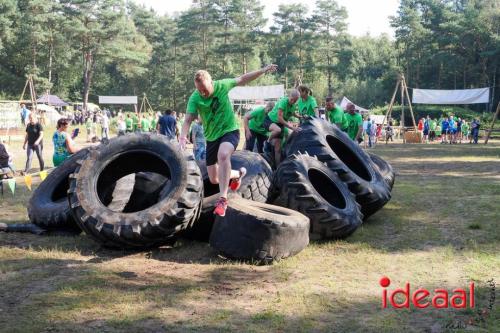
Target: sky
365 16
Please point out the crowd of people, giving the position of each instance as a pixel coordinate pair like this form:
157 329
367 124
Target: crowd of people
449 130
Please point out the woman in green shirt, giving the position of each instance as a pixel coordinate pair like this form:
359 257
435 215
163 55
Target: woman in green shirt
63 143
307 104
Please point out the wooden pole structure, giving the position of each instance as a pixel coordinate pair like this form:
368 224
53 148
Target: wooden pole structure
409 103
391 104
402 125
492 124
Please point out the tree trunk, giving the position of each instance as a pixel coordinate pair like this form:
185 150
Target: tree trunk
244 63
174 92
87 77
51 53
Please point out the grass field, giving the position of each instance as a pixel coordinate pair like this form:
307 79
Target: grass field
440 230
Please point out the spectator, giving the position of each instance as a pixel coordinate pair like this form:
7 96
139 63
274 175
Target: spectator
432 129
367 125
63 143
372 134
135 122
104 126
465 130
389 132
452 130
144 123
427 126
475 125
167 125
129 123
25 113
198 140
459 130
122 126
33 142
6 159
88 126
444 130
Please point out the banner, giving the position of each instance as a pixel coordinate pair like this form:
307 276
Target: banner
466 96
12 185
43 175
27 181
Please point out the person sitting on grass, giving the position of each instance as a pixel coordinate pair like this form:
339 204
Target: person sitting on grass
6 159
63 143
254 129
277 120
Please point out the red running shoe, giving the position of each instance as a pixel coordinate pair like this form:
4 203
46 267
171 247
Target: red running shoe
220 207
235 183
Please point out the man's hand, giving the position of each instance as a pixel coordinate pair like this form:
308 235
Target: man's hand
270 68
182 142
24 147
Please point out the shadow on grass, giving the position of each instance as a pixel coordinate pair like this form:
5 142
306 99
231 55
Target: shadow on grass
71 296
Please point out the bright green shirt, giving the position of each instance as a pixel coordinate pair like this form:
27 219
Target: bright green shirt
255 124
336 115
465 128
433 125
129 123
135 122
306 108
288 110
145 125
216 111
153 123
88 123
352 123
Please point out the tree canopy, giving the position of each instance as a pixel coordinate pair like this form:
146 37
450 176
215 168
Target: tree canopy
81 49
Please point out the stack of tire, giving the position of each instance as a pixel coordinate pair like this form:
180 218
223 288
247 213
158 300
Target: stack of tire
141 191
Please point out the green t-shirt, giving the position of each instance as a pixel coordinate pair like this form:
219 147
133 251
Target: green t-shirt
216 111
433 125
135 122
145 125
352 123
306 108
288 110
336 115
129 123
255 124
88 124
465 128
153 123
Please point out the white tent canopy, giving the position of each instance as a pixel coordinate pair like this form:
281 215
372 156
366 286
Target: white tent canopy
465 96
257 93
117 99
345 101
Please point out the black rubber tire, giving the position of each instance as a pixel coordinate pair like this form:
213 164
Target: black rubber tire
48 207
326 141
307 185
385 169
259 232
177 205
255 186
201 228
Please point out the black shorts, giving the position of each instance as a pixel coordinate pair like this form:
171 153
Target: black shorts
268 122
213 146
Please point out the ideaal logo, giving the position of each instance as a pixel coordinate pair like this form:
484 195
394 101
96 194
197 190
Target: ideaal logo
439 298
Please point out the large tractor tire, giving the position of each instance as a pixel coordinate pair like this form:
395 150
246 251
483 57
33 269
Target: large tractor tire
332 146
259 232
48 207
255 186
385 169
176 201
309 186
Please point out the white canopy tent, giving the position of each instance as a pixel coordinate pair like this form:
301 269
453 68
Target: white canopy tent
345 101
248 97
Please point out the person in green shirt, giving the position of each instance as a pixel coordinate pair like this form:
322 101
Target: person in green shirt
135 122
129 123
254 129
353 123
144 123
211 102
307 104
278 119
432 133
153 121
88 126
334 113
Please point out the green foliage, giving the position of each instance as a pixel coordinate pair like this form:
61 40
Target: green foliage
81 49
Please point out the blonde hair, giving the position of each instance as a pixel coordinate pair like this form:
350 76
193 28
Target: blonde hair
202 76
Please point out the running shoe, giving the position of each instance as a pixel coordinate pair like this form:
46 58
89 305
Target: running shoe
220 207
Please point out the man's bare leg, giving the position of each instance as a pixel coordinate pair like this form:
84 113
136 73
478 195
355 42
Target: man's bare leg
277 151
221 172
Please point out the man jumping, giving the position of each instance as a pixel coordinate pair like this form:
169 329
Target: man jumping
211 101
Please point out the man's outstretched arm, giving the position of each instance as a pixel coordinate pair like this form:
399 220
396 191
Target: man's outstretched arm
248 77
